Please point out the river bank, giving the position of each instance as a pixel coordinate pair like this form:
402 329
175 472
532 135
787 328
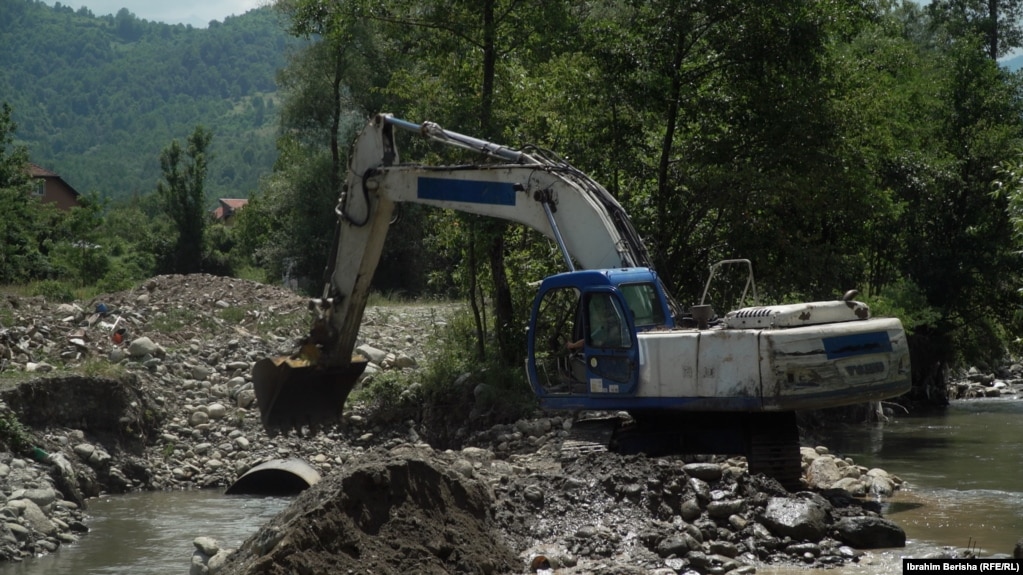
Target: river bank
171 407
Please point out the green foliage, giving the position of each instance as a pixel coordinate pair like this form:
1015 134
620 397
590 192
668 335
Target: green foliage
23 227
177 319
451 377
13 434
232 314
906 301
53 290
183 191
450 385
101 367
392 396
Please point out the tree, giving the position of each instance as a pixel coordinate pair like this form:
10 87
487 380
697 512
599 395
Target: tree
80 249
22 227
499 41
998 23
13 158
184 198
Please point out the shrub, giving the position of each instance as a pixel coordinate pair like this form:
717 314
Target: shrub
54 290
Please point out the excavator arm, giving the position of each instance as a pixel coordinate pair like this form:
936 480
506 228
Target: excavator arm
535 189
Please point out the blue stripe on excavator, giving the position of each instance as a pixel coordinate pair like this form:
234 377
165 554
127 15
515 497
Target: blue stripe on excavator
466 191
857 344
802 401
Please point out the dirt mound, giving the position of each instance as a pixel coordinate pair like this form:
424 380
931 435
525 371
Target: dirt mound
394 513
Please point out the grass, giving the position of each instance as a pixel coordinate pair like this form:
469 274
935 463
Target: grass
266 322
177 319
101 367
53 290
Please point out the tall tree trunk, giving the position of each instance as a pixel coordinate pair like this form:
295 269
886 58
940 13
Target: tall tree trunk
476 297
992 12
667 144
335 124
504 312
489 69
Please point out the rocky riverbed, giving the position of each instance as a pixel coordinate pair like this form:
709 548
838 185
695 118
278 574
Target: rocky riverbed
170 406
1006 381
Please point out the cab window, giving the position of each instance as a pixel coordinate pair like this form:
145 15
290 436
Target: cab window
606 325
644 304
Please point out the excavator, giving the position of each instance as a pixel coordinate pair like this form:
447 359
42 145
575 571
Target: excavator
604 336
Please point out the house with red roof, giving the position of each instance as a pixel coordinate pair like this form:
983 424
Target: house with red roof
50 187
227 208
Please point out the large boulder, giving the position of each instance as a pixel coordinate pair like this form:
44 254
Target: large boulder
822 473
800 519
869 532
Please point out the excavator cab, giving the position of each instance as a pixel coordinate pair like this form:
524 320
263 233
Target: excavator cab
583 351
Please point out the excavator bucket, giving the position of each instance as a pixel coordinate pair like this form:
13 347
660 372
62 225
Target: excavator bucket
292 394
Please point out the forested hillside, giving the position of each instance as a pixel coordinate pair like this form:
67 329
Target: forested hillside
97 98
838 145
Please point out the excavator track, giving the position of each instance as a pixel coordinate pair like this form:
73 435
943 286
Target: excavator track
773 448
590 435
770 441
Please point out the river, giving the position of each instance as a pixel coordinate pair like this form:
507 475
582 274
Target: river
152 533
963 473
962 467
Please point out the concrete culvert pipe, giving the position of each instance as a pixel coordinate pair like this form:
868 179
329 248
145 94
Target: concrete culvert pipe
276 477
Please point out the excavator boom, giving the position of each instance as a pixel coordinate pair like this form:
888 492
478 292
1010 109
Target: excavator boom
539 190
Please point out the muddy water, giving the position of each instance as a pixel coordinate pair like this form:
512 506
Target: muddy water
963 469
152 533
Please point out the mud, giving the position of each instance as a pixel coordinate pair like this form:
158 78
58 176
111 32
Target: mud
391 513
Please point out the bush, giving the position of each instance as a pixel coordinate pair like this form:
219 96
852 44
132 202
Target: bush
906 301
13 434
458 384
54 290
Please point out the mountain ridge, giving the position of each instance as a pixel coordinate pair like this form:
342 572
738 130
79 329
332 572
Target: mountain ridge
96 99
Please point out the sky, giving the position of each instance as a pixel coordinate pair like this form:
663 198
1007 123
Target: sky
198 13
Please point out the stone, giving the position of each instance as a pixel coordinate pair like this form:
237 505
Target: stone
37 519
868 532
800 519
677 545
724 509
141 347
198 418
216 563
42 497
216 411
710 472
371 353
246 398
822 473
533 493
84 450
201 372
